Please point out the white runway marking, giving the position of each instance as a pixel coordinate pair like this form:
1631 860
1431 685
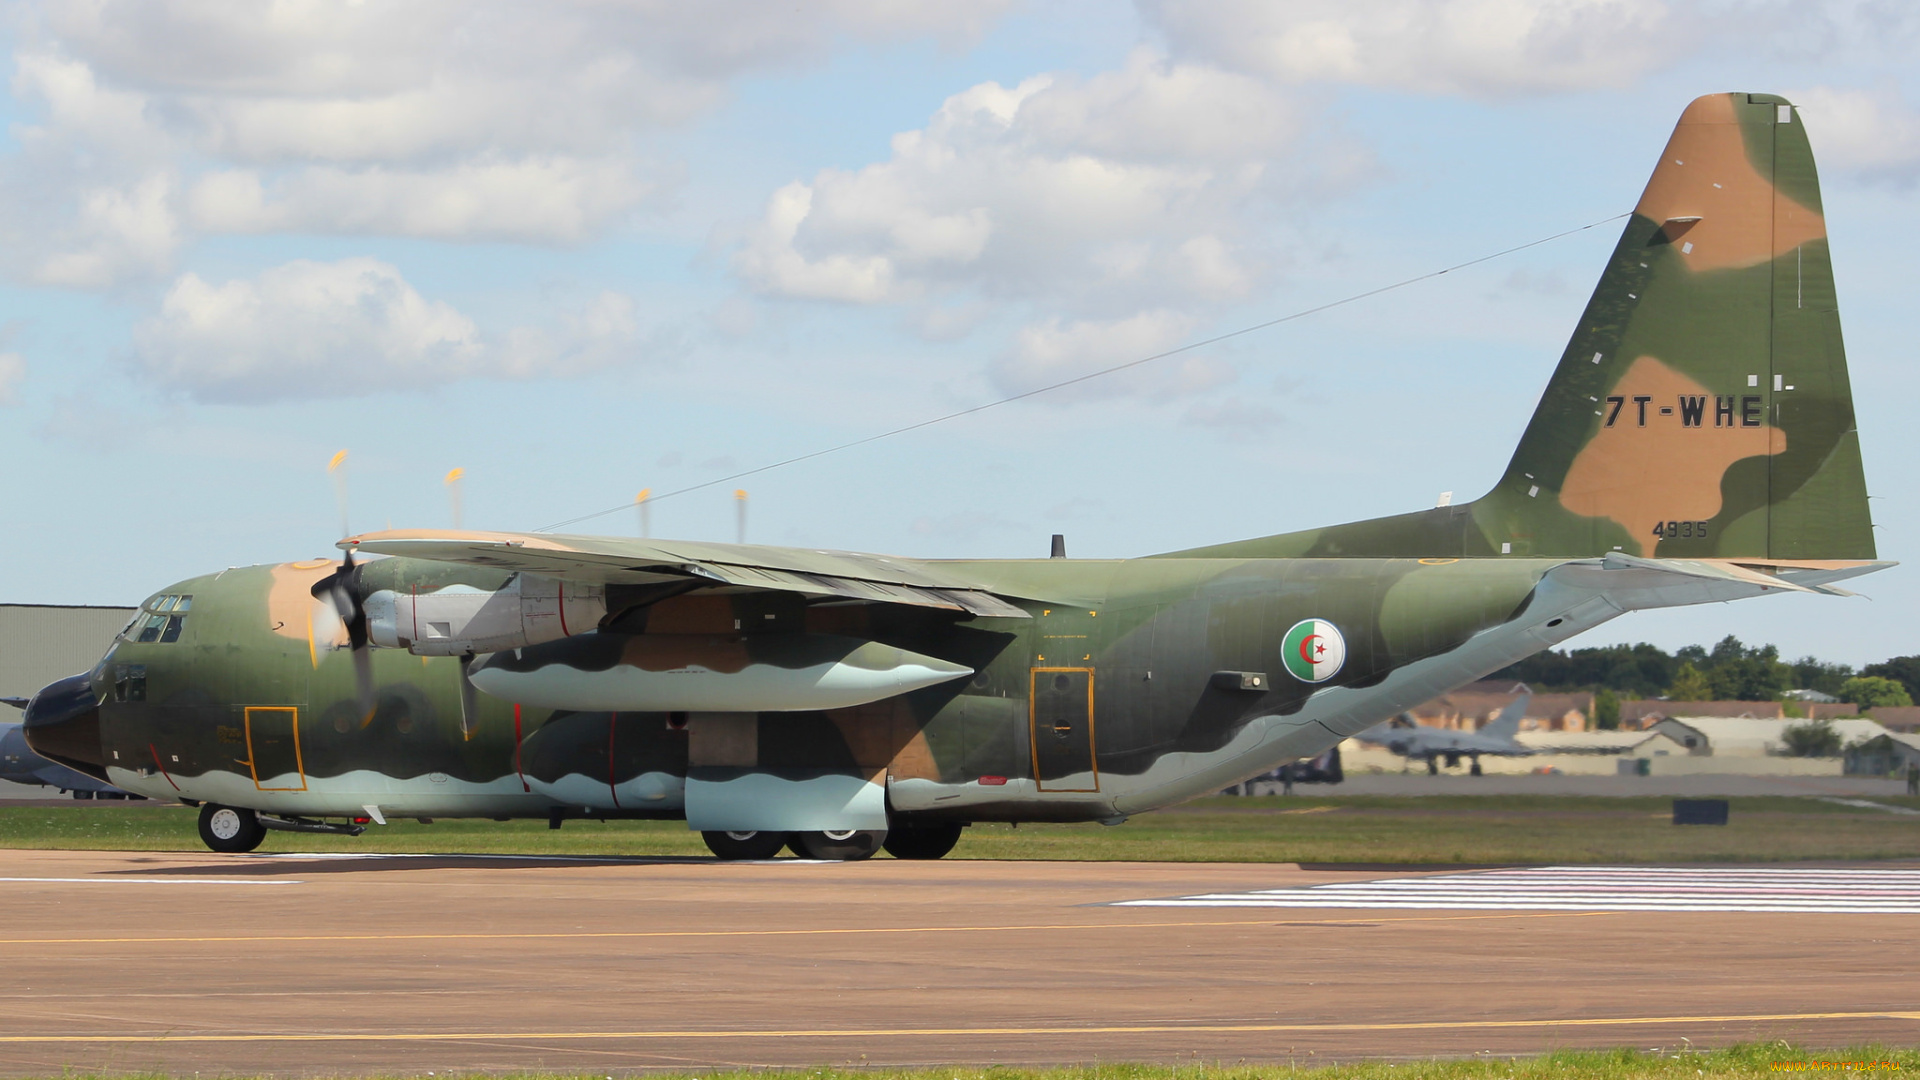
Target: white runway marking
1597 888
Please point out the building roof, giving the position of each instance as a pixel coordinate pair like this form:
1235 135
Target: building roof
1897 717
1738 735
1635 710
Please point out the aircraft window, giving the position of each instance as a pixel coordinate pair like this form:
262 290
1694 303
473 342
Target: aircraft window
127 630
185 604
150 630
130 682
165 603
172 632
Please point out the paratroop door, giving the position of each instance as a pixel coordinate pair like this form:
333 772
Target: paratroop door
1061 704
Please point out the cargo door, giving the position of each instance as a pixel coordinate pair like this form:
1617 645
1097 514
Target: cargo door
273 748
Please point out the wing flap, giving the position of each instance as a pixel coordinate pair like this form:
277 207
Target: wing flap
609 560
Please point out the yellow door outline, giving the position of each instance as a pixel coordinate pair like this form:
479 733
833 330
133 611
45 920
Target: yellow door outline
1033 729
299 766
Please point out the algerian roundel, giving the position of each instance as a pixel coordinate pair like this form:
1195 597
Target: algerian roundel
1313 650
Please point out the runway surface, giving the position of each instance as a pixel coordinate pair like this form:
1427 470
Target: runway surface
326 965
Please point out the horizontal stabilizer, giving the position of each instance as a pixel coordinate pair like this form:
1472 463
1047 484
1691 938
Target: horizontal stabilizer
1633 583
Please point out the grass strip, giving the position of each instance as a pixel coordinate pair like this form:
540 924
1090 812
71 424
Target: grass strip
1426 830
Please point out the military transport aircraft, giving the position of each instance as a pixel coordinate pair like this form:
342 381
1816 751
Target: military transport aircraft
1696 443
1413 740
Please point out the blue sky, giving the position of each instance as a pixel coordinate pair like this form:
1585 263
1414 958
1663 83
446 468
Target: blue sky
582 249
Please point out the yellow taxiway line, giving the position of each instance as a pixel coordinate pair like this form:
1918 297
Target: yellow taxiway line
876 1033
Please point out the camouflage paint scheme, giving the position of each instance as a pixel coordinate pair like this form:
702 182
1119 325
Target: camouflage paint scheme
1696 444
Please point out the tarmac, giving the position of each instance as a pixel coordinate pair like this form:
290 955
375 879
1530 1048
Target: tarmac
328 965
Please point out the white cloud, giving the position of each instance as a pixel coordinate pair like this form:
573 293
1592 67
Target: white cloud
1134 187
1480 48
348 328
532 200
13 369
1873 133
337 80
115 233
441 119
1109 214
1055 350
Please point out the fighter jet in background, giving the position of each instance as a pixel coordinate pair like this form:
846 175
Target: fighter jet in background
1695 444
20 765
1416 741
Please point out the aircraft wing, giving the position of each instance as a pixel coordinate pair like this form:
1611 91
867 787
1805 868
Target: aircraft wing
610 560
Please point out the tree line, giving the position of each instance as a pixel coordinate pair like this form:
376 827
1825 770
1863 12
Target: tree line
1730 671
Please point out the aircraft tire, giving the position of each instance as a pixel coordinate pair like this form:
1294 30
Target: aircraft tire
735 846
230 829
850 846
1433 767
922 842
1475 771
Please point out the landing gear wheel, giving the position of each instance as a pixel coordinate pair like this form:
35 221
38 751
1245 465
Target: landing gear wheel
921 841
230 829
733 846
848 846
1475 771
1433 767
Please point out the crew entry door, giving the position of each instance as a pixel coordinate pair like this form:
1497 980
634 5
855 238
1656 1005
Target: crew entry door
1060 701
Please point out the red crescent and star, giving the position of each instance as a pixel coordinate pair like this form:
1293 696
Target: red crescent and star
1308 641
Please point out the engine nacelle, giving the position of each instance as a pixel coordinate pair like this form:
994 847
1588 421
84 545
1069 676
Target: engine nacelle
459 619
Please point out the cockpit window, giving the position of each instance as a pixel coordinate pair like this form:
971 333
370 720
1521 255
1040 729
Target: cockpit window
160 620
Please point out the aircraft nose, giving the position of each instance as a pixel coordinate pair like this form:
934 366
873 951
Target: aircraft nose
62 723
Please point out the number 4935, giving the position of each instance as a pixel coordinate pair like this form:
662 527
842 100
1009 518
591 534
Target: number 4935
1680 530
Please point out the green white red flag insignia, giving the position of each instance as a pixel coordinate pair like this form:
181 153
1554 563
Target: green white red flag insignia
1313 650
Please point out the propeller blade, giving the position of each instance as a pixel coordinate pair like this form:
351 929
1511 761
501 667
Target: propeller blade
340 590
363 683
469 699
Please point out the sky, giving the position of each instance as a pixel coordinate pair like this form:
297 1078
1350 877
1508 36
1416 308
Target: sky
581 249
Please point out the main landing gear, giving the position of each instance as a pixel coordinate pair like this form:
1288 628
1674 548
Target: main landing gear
849 845
923 841
229 829
733 846
901 841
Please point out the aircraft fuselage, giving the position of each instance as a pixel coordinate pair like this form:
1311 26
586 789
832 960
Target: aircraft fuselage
1138 684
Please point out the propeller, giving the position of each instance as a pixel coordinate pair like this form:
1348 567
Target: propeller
340 589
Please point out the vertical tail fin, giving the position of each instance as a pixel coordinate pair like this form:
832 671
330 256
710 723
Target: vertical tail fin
1507 724
1702 407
